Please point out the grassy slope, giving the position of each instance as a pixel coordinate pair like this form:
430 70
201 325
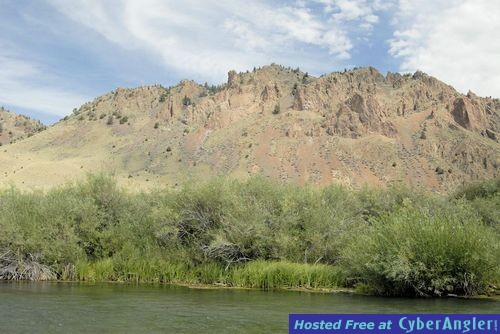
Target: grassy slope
137 154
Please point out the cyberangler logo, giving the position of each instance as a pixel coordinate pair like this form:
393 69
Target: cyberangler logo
394 323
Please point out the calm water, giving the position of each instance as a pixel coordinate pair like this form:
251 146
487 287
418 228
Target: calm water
117 308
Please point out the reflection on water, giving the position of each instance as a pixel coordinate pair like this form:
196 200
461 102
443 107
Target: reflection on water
119 308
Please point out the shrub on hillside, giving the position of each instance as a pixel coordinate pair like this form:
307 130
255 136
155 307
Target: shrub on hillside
276 109
186 101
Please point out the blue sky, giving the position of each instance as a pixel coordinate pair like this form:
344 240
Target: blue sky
57 54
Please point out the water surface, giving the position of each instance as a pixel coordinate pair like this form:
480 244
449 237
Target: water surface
120 308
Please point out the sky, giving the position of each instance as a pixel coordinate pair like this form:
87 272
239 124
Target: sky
58 54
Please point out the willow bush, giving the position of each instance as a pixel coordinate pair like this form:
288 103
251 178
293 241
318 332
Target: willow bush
415 251
259 233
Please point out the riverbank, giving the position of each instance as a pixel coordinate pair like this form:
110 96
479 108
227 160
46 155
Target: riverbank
257 234
215 287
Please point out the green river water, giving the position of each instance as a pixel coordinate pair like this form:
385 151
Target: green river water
120 308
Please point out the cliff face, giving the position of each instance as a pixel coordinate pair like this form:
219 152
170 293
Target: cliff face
15 127
354 127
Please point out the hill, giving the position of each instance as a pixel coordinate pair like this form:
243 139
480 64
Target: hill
14 127
354 127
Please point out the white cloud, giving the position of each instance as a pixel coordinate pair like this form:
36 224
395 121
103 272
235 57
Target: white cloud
244 36
457 41
20 86
363 12
205 39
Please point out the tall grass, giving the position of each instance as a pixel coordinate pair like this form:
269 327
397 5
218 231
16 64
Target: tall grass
260 234
256 274
270 275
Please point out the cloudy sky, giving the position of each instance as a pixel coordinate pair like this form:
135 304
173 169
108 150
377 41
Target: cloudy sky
57 54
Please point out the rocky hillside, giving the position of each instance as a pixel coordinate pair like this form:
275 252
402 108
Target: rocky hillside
14 127
354 127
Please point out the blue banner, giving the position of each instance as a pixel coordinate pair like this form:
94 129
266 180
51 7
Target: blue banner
393 323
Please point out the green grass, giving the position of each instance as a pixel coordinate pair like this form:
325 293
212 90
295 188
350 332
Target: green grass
261 234
257 274
272 275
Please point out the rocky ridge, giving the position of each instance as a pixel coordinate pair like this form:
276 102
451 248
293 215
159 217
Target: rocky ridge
353 127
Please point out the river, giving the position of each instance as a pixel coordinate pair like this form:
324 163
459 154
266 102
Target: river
42 307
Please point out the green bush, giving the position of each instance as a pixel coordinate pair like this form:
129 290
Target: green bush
483 189
424 251
186 101
259 233
276 109
485 199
